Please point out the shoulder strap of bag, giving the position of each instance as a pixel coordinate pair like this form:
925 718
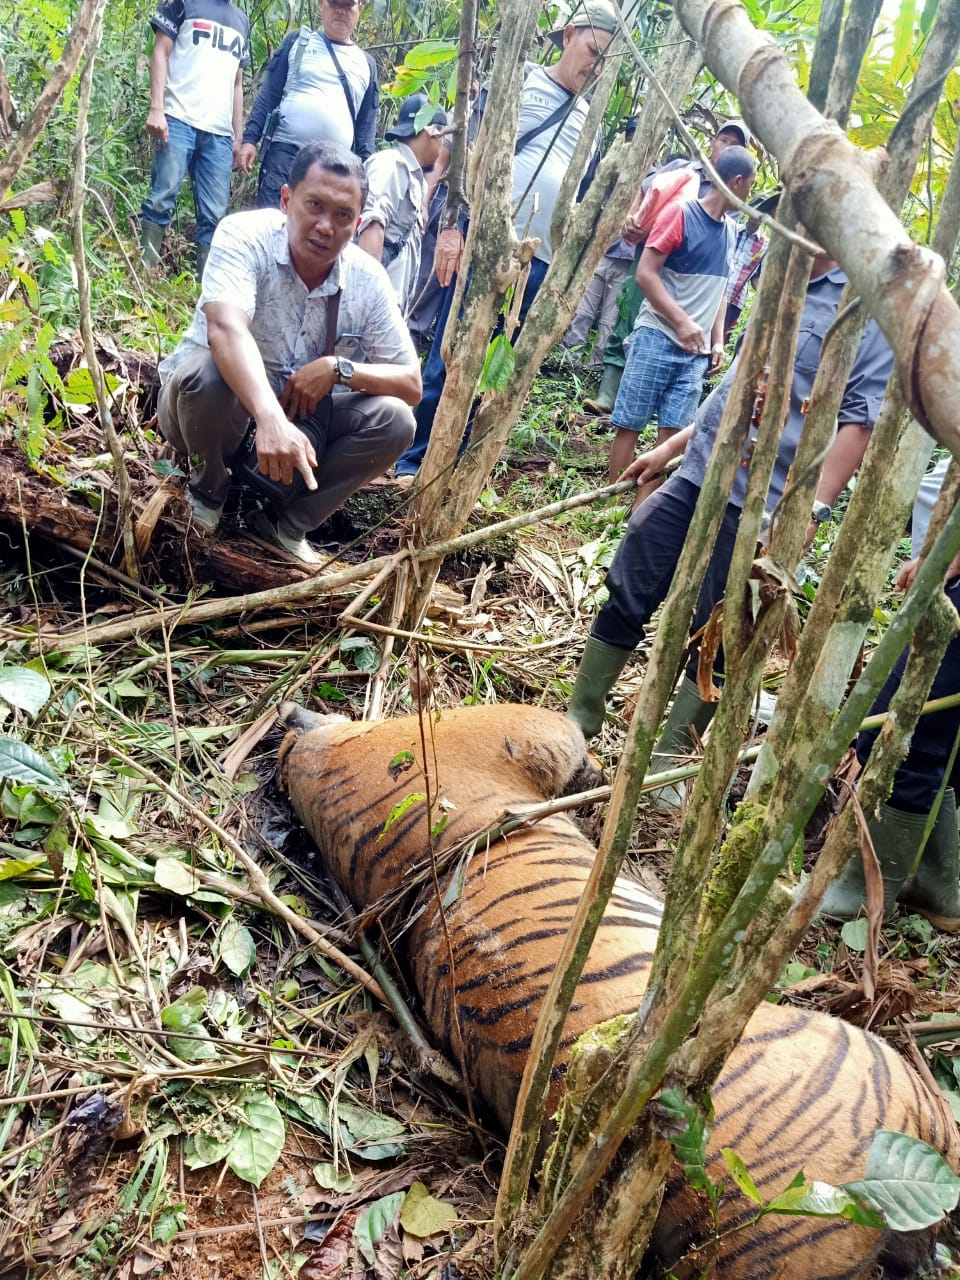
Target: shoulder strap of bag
296 57
333 315
343 79
555 117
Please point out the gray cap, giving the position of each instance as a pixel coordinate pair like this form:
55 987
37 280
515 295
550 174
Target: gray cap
599 14
737 126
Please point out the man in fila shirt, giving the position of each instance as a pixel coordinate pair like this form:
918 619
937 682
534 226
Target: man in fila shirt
195 116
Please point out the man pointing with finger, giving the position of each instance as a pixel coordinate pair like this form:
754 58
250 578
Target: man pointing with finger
294 325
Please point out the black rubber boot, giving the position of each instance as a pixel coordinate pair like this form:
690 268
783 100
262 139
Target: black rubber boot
934 889
203 253
676 740
600 666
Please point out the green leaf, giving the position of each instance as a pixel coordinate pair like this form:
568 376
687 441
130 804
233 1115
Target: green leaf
200 1150
328 1177
821 1200
375 1221
421 1215
20 763
854 933
127 689
176 877
397 812
257 1145
24 688
908 1182
431 53
688 1135
498 367
740 1175
236 947
10 868
372 1135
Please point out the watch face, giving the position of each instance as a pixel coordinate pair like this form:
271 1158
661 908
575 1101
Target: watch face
344 370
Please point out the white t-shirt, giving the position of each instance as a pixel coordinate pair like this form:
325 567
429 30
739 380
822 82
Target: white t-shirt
314 106
540 99
210 42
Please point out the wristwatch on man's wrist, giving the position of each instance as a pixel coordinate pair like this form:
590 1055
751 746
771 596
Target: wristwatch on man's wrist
822 511
343 370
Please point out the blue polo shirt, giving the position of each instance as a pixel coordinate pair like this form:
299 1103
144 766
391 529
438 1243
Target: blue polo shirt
862 396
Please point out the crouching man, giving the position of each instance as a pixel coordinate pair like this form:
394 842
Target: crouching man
295 325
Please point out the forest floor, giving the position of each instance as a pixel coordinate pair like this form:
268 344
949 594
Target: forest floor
190 1087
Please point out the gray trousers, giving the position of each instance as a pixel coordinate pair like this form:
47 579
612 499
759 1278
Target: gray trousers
201 418
601 296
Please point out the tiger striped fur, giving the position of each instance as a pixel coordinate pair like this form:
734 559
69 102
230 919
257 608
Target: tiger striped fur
801 1090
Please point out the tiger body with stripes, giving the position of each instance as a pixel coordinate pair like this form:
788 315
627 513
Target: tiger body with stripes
800 1091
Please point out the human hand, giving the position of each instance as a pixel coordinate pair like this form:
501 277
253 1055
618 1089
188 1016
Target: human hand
157 126
718 358
648 466
446 260
904 579
691 337
245 157
283 449
630 230
305 388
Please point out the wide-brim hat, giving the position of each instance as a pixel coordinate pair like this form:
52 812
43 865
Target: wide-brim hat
417 113
599 14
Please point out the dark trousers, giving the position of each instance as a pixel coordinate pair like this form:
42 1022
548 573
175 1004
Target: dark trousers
918 779
435 371
646 560
275 165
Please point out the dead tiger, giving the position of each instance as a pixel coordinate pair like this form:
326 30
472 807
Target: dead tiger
800 1091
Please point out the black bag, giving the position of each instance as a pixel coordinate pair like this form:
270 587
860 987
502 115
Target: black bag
316 427
246 470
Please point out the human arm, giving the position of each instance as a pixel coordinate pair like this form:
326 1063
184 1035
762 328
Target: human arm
448 253
281 448
310 383
238 120
717 354
839 465
267 100
159 66
689 334
654 462
365 129
370 240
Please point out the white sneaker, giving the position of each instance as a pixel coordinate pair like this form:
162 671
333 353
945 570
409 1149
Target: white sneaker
299 548
205 517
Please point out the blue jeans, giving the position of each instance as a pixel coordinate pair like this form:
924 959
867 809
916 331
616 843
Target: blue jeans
208 158
434 373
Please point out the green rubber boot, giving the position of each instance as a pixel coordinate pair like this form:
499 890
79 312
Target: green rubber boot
676 740
934 889
600 666
606 397
896 837
151 242
203 253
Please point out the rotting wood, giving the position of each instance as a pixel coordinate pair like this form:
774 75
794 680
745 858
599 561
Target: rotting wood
306 588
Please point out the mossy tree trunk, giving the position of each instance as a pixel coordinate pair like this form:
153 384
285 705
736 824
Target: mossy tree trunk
494 257
726 934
